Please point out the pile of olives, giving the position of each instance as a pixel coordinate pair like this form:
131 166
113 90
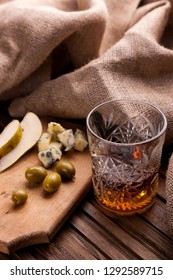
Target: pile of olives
51 182
65 170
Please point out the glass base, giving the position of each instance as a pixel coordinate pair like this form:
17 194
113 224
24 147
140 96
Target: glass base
114 214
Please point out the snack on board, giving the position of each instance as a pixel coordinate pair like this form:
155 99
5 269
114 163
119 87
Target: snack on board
19 137
35 174
52 182
80 140
66 169
10 137
57 140
19 197
44 141
31 132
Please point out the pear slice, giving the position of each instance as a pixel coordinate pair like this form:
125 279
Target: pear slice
10 137
31 132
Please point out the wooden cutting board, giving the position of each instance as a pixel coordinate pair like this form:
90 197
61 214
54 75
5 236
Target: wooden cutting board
40 218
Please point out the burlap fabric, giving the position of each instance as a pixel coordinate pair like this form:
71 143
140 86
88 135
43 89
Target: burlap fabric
61 57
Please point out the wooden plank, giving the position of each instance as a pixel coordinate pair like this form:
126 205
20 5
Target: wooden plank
42 216
90 247
122 234
148 235
110 237
68 246
158 217
73 243
23 255
4 256
97 237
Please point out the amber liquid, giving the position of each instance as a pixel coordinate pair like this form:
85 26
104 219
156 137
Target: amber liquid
127 200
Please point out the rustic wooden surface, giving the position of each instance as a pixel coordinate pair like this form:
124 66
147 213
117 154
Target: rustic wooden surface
89 234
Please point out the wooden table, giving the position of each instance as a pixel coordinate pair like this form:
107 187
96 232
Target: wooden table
89 234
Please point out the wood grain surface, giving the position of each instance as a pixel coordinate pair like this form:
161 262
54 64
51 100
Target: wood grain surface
39 219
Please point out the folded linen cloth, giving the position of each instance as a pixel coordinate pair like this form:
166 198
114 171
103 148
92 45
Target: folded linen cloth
61 57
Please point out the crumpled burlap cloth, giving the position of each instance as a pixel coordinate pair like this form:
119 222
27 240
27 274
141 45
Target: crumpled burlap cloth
61 57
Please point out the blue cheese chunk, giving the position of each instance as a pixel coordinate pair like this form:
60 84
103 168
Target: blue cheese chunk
55 128
46 158
56 144
56 153
67 139
80 140
49 156
44 141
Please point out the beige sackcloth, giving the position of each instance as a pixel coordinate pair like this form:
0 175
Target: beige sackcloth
61 57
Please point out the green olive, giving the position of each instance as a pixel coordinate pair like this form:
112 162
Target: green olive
19 196
52 182
35 174
66 169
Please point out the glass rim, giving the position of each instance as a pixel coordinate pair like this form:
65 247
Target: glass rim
129 101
